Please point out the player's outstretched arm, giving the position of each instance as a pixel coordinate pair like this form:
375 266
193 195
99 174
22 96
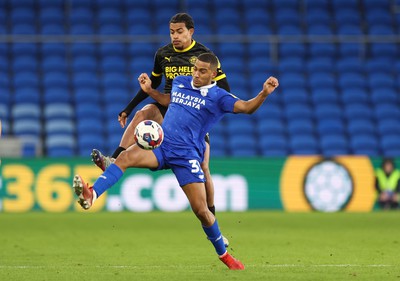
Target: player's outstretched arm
253 104
145 85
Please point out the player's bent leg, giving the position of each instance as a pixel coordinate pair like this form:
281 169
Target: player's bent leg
148 112
210 185
195 192
209 182
133 157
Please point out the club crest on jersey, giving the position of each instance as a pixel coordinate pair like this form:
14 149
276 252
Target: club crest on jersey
204 92
193 59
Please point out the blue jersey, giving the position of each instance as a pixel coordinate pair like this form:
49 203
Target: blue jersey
193 111
190 115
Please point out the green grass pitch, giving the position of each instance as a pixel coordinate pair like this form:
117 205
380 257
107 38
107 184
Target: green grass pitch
172 246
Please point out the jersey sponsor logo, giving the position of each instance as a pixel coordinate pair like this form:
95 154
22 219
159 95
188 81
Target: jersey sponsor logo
173 71
187 100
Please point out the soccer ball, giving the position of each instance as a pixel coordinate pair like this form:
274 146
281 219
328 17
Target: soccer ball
149 135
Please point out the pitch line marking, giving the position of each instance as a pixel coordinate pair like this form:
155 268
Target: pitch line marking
185 267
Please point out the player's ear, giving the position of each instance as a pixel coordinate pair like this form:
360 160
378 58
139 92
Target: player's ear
191 31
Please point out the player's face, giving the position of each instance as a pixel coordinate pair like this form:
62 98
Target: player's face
181 37
202 74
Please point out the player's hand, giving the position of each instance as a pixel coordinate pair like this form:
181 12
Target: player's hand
144 82
122 119
270 85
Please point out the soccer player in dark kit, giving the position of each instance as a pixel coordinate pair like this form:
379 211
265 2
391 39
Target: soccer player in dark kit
196 103
176 58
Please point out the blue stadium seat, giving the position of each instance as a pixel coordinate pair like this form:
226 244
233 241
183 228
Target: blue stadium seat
91 109
87 142
352 80
23 29
110 29
360 127
27 49
52 63
301 126
295 95
270 110
60 145
351 50
384 79
84 63
388 126
287 16
383 50
112 63
22 15
26 79
295 111
58 111
25 64
320 65
384 95
57 95
355 95
386 111
85 79
115 80
239 126
322 50
52 29
322 79
24 95
324 96
365 144
271 127
83 49
56 49
347 16
59 127
358 111
349 29
86 95
51 15
112 49
117 95
333 145
274 145
106 15
291 65
319 29
293 29
243 146
390 145
27 127
293 80
26 111
56 79
304 145
328 111
377 65
288 50
81 15
326 127
350 65
317 15
81 29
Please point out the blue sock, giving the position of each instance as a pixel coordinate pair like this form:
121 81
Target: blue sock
110 176
215 236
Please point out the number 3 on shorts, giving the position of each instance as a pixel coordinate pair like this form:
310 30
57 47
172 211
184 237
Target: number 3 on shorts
195 166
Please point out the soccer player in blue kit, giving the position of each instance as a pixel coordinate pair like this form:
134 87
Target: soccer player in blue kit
195 105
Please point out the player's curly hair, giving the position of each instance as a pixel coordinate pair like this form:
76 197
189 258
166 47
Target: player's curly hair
183 17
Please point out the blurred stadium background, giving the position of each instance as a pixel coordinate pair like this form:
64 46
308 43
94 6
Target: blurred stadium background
68 67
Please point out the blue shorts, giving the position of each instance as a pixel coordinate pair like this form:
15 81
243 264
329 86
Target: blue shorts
184 163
